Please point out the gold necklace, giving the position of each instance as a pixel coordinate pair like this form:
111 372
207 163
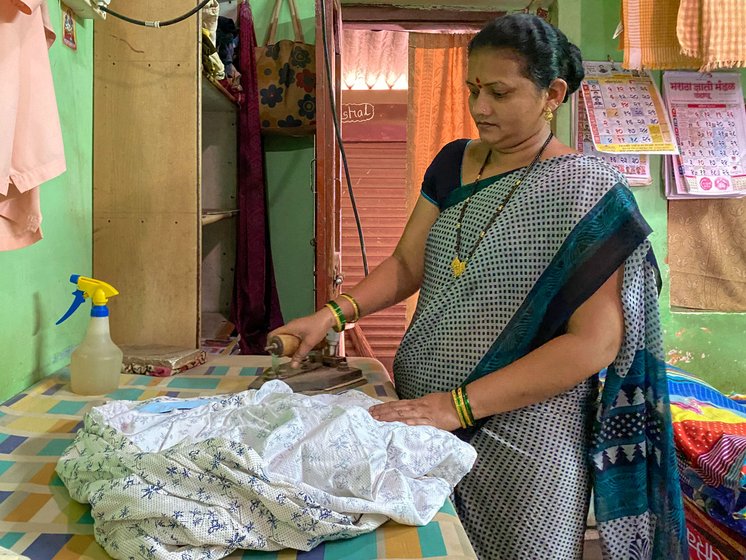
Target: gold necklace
457 265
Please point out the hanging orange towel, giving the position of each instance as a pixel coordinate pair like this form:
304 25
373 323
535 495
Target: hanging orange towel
649 36
713 31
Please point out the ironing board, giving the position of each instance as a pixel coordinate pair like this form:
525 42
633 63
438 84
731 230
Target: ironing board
39 520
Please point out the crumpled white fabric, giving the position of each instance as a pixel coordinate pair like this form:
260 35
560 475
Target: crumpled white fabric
7 554
262 470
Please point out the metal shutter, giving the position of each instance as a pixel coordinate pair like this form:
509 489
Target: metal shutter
378 176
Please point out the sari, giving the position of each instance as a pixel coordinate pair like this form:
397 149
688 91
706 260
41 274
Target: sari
568 228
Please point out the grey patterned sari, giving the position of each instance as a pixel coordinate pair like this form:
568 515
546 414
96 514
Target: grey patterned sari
572 223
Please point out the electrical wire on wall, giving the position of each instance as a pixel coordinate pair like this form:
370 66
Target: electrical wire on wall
156 24
338 133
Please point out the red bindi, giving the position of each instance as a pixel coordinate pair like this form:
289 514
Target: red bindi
479 83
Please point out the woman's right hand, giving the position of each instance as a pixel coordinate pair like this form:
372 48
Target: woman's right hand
310 330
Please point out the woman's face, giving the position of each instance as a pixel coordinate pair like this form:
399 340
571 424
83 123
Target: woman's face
506 106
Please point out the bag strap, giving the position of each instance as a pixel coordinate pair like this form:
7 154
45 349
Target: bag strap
272 29
296 22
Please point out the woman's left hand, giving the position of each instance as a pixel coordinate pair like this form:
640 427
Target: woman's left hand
435 409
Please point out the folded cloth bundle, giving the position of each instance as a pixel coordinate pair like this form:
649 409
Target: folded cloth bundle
160 361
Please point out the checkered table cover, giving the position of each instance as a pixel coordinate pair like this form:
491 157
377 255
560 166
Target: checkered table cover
39 520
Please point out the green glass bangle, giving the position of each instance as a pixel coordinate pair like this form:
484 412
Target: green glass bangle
337 310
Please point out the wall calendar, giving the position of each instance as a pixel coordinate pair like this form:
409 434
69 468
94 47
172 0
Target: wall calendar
635 167
625 111
709 121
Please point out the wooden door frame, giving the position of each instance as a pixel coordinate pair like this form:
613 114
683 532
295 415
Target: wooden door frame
328 186
412 19
328 231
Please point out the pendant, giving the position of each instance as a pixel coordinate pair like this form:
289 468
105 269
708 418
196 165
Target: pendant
457 267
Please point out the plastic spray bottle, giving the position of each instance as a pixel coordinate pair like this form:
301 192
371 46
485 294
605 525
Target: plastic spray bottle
95 365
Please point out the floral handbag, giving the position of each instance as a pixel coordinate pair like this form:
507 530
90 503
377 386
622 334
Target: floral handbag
286 78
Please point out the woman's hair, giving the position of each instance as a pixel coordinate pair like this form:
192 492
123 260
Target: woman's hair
544 49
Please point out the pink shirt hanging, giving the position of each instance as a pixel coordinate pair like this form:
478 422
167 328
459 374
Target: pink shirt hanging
31 150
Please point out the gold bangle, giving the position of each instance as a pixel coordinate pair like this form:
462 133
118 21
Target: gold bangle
338 316
355 306
468 417
463 407
459 413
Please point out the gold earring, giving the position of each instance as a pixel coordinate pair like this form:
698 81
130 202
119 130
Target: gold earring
548 115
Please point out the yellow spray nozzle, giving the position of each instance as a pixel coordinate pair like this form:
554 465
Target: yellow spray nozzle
97 290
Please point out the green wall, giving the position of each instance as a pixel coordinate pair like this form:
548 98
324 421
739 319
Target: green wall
709 345
290 182
290 166
36 291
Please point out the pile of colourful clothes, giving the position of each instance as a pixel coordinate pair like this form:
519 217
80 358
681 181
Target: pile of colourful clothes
227 48
220 49
710 436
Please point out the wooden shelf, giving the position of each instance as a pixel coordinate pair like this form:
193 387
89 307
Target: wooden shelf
212 216
215 97
215 326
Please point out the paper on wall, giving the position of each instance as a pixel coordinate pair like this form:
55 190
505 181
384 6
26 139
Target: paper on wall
625 111
709 122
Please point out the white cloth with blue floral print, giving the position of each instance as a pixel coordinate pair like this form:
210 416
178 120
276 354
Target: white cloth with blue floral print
269 469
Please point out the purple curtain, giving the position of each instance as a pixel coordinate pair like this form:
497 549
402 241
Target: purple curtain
256 306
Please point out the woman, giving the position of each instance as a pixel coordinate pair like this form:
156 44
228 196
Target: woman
534 274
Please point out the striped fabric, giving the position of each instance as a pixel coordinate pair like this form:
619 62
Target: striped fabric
710 436
649 37
713 31
702 416
716 463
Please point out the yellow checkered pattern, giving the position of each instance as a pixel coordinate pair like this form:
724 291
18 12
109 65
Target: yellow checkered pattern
713 31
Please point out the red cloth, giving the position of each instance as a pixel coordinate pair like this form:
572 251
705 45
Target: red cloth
256 305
